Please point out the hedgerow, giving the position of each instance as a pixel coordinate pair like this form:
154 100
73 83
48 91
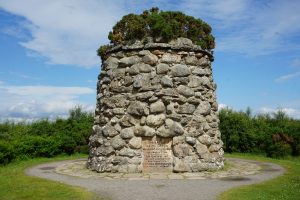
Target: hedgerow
275 135
46 138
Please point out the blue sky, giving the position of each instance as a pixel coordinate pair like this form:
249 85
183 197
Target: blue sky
48 61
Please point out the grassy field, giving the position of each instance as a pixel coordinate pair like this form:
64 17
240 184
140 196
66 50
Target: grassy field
14 184
286 187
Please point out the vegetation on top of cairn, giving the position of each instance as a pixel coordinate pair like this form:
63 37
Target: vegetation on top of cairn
162 26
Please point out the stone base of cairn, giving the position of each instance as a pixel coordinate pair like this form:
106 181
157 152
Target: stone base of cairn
156 110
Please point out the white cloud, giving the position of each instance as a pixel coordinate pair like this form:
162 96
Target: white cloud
295 63
22 76
66 32
223 106
35 102
250 27
287 77
292 112
46 90
225 12
69 32
270 29
15 31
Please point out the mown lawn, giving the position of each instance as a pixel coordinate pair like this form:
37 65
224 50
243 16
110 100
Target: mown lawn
14 184
286 187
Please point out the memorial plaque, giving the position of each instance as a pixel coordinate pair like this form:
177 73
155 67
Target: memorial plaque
157 154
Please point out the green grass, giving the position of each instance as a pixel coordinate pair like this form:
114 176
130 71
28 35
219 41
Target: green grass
286 187
14 184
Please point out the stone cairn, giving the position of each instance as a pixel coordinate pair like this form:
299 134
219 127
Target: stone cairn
156 110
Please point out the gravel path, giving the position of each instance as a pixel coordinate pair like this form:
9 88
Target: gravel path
156 186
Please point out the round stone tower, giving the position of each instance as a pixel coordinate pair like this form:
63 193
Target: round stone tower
156 110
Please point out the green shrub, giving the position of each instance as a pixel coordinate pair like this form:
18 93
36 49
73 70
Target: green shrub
41 127
6 152
278 150
236 129
37 146
242 132
67 144
44 138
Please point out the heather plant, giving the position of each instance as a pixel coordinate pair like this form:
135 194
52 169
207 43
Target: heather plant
161 26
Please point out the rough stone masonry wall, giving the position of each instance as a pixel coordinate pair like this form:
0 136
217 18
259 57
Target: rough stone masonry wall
156 90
